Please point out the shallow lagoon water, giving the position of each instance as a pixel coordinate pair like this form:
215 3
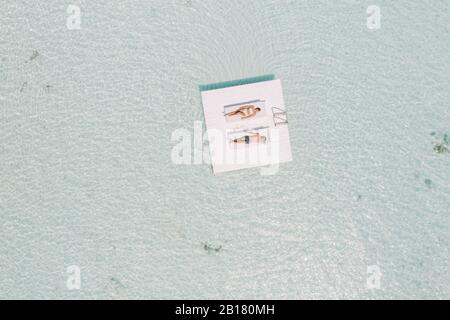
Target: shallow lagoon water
86 173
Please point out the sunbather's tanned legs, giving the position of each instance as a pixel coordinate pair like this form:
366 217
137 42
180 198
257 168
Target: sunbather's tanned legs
233 113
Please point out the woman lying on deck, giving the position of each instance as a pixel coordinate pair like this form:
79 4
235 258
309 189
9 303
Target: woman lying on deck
244 112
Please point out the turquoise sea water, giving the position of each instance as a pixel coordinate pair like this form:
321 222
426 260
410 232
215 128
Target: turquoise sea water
86 176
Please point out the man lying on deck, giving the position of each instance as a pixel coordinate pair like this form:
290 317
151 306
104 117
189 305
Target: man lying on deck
247 139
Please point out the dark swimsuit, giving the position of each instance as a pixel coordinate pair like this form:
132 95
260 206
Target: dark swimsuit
247 139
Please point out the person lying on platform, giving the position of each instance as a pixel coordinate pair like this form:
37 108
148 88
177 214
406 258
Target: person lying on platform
247 139
244 112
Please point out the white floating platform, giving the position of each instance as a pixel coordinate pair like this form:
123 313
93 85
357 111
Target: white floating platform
247 126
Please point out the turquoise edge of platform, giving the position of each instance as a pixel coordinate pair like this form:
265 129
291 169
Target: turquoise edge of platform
232 83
